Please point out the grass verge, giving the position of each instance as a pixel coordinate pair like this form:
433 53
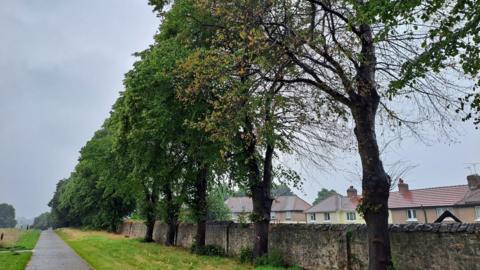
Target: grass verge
14 261
19 240
12 252
105 251
28 240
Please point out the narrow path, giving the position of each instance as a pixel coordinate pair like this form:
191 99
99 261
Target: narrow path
51 252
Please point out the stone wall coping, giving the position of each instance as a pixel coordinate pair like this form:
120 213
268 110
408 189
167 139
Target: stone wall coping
470 228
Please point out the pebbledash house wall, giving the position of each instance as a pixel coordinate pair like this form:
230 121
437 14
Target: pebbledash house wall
445 246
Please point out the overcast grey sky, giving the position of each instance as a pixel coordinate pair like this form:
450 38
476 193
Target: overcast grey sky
61 68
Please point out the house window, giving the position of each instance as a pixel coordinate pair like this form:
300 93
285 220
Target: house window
443 209
477 213
273 215
351 216
234 216
411 215
326 217
288 215
313 217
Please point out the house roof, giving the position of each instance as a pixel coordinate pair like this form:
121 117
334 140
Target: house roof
280 204
436 196
335 203
289 203
472 197
239 204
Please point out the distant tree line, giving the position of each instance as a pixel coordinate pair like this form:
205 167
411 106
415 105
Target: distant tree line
7 216
229 87
42 222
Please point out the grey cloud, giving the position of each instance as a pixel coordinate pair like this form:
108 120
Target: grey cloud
61 68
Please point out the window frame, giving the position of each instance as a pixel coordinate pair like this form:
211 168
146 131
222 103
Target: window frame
327 214
477 213
413 213
273 215
313 217
288 215
443 209
351 214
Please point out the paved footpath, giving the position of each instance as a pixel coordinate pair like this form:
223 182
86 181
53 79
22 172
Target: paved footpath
52 253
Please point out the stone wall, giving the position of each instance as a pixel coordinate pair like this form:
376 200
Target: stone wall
414 246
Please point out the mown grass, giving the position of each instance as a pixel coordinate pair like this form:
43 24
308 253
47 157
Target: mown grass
104 251
12 250
12 260
28 240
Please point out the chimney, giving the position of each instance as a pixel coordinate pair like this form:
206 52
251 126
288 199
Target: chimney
473 181
402 186
351 192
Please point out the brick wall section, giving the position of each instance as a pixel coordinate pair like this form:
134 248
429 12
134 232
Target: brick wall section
324 246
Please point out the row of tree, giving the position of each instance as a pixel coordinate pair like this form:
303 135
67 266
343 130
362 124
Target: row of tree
229 87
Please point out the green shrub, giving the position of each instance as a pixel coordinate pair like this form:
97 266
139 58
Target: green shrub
208 250
246 255
243 220
273 258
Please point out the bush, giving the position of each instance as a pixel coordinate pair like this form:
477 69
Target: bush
273 258
208 250
246 255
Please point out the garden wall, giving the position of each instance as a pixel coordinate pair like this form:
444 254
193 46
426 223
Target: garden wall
414 246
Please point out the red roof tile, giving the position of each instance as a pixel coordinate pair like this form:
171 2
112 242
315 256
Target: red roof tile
429 197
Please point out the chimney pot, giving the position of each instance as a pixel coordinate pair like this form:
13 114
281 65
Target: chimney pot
402 186
473 181
351 192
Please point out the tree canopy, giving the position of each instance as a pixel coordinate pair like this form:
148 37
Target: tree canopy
323 194
43 221
7 216
96 194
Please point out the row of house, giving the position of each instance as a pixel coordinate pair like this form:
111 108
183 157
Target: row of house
405 205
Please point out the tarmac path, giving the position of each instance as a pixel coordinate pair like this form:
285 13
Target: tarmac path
52 253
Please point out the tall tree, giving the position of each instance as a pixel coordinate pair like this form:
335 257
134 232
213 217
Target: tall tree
60 212
171 156
7 216
253 119
281 190
323 194
95 194
347 55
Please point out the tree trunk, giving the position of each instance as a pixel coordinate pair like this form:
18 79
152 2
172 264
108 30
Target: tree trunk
171 232
151 201
375 184
172 217
150 223
201 186
375 181
260 186
262 204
